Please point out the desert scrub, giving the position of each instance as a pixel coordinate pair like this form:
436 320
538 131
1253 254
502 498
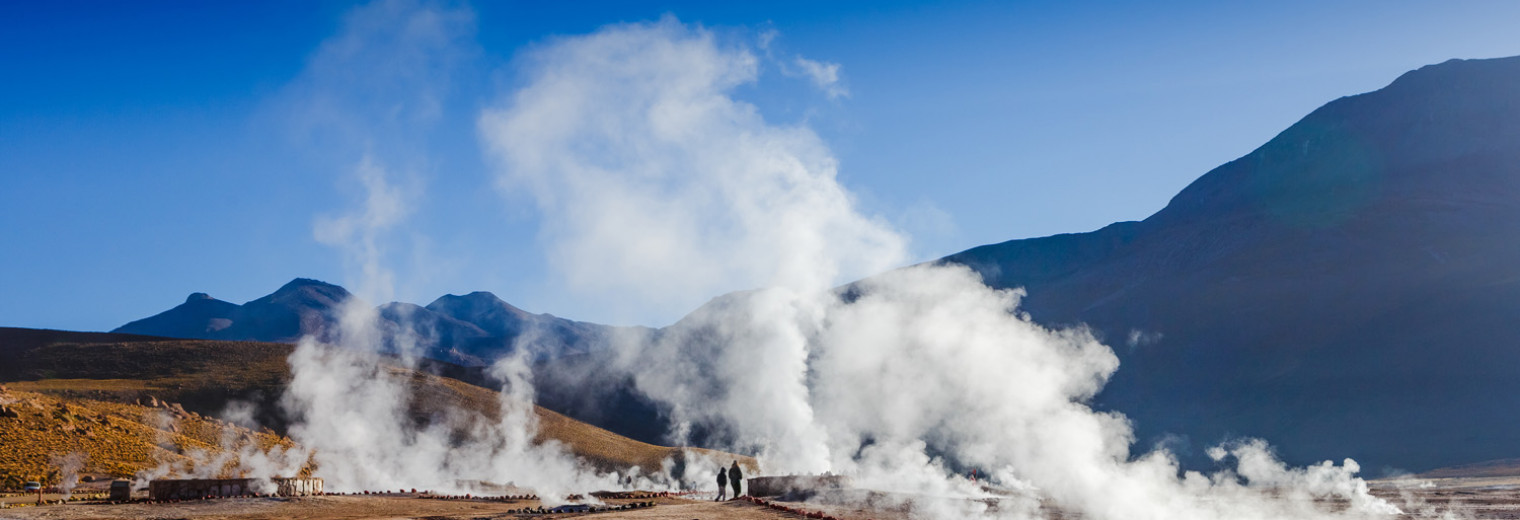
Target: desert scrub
118 439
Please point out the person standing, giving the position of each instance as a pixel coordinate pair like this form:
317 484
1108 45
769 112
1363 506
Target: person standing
722 481
735 477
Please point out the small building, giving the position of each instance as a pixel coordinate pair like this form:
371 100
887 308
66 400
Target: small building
187 489
121 490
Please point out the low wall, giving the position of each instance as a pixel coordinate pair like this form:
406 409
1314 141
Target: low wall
777 486
186 489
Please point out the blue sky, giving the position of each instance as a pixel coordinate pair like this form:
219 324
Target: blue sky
151 150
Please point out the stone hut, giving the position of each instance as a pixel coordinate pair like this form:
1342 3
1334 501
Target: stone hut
121 490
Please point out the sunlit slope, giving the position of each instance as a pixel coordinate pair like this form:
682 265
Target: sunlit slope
203 376
38 429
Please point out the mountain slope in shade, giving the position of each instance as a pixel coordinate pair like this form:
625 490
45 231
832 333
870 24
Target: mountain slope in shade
474 329
298 308
200 315
499 319
1351 288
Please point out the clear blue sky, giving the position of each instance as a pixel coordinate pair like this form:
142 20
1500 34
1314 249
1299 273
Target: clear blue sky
150 150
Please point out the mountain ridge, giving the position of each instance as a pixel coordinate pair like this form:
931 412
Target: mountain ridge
472 329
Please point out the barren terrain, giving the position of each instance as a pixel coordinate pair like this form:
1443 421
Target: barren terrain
62 393
1477 498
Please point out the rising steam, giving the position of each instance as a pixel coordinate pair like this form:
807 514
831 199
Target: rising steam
660 189
663 186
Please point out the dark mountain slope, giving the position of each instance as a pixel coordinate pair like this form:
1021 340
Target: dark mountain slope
505 324
200 315
474 329
298 308
1350 288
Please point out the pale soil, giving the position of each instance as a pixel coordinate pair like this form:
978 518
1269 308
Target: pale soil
380 507
1476 498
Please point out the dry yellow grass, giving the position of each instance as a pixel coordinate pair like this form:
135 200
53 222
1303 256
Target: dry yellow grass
204 376
117 439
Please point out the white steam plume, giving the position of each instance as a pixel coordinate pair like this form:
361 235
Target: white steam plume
825 76
69 467
352 399
660 187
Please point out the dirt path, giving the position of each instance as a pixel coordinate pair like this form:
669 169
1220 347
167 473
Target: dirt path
1469 498
382 507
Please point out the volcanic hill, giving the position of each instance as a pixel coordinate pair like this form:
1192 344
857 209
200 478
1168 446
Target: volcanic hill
95 393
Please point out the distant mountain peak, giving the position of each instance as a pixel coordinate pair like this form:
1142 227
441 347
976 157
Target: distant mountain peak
476 297
474 303
1416 139
470 328
299 283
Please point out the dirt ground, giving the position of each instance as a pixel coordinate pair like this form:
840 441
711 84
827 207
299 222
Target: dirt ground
381 507
1477 498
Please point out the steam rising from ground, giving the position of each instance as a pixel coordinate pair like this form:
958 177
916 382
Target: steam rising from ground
69 467
662 185
352 400
353 407
660 188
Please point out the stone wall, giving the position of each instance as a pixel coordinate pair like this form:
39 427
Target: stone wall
186 489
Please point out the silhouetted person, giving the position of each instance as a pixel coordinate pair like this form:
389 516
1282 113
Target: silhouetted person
722 482
735 477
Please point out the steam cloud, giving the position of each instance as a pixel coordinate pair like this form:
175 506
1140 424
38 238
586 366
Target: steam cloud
69 467
663 186
351 395
660 187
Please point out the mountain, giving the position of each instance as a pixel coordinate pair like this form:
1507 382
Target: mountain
298 308
499 319
473 329
1349 289
51 402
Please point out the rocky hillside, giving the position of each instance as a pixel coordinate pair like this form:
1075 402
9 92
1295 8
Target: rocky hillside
107 399
41 430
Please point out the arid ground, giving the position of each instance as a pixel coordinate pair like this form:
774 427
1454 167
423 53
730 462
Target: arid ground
1478 498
